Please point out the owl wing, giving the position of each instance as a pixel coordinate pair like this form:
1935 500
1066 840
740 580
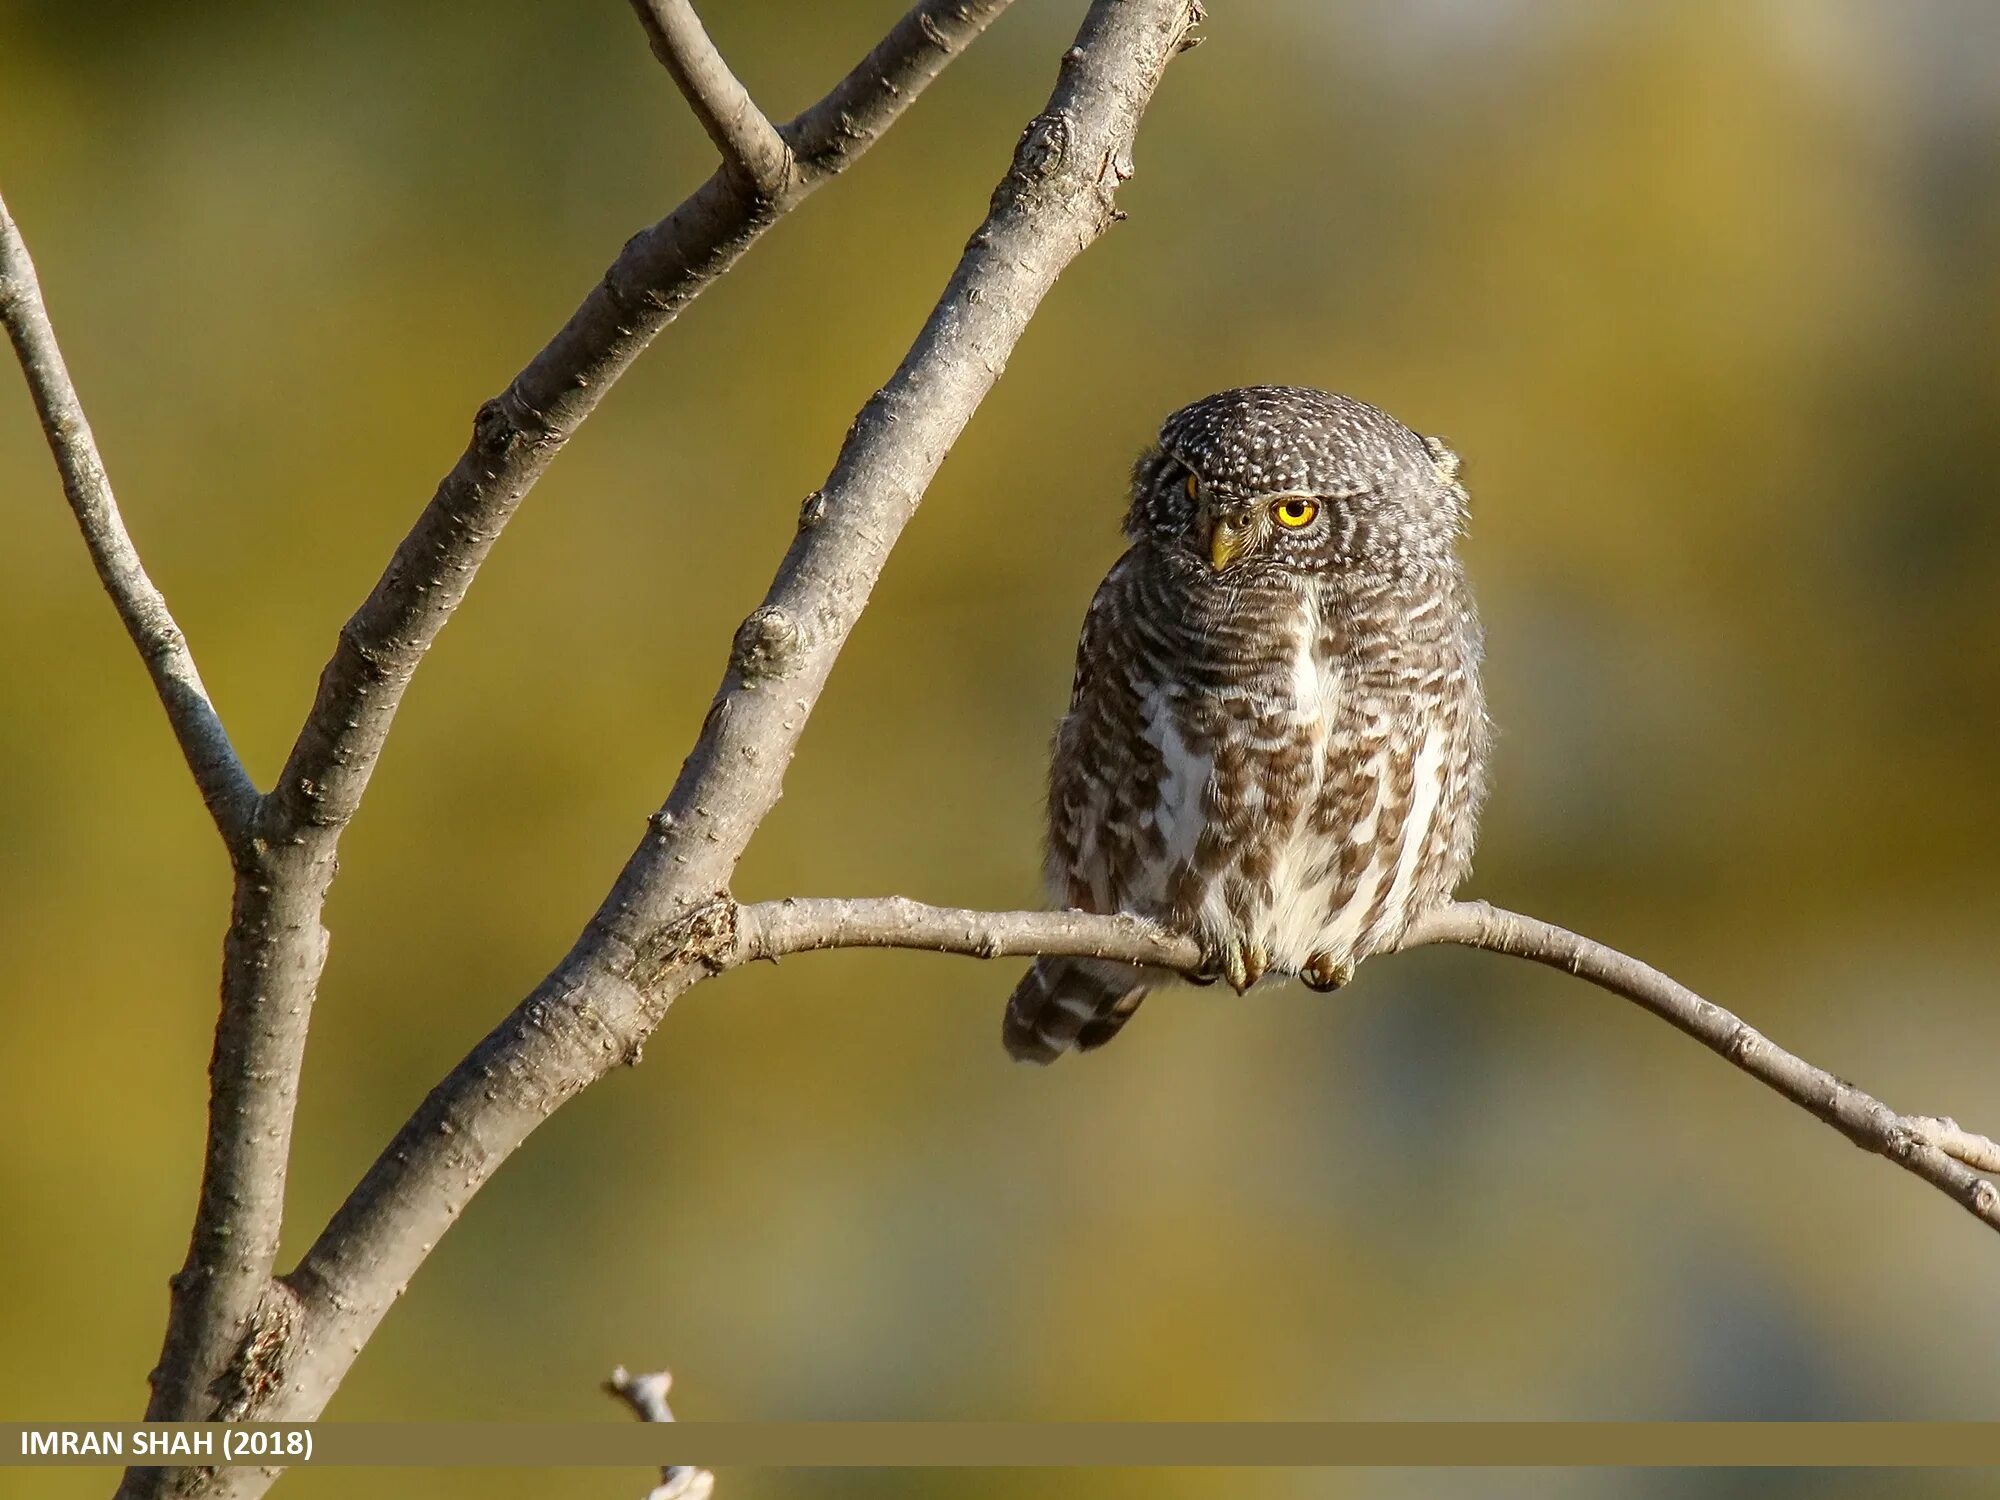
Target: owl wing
1095 641
1099 751
1095 779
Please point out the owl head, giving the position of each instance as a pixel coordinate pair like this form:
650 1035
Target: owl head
1269 482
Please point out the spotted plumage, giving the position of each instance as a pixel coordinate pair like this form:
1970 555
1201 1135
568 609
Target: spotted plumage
1275 739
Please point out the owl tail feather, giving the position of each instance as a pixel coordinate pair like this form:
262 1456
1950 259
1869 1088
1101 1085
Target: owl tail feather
1068 1004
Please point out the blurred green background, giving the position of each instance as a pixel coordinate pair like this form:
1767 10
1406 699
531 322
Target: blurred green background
1707 294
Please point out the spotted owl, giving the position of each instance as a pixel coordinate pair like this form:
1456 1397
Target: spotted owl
1276 740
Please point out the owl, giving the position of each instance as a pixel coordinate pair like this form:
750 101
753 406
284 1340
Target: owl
1276 740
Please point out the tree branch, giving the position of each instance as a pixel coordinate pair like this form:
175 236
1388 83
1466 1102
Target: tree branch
1937 1150
747 140
228 1321
663 927
517 434
223 1301
1976 1151
778 929
226 788
646 1395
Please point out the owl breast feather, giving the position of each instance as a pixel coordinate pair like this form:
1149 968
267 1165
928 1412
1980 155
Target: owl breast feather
1280 819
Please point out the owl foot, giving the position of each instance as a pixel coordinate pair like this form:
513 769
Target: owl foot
1325 973
1242 964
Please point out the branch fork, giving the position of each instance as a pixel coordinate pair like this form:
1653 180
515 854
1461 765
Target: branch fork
226 788
750 145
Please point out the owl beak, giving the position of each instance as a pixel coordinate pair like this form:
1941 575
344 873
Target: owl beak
1225 542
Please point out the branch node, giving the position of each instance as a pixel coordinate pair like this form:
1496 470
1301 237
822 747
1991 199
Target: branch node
1744 1039
1043 145
706 935
256 1370
493 430
768 646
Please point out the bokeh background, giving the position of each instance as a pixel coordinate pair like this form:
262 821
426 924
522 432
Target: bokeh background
1708 294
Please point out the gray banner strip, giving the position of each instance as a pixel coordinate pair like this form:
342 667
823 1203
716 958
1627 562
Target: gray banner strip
1018 1445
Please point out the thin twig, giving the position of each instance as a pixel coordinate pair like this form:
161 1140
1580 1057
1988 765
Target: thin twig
225 786
1937 1150
662 928
646 1395
747 140
1863 1119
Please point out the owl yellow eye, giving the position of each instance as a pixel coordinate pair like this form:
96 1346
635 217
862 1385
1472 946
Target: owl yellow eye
1193 487
1295 512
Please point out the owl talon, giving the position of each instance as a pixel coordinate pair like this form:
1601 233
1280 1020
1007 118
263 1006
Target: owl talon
1256 962
1241 964
1325 974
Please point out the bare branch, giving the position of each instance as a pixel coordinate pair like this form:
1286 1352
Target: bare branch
647 1396
777 929
663 927
1976 1151
517 434
1937 1150
225 786
852 115
226 1313
747 140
